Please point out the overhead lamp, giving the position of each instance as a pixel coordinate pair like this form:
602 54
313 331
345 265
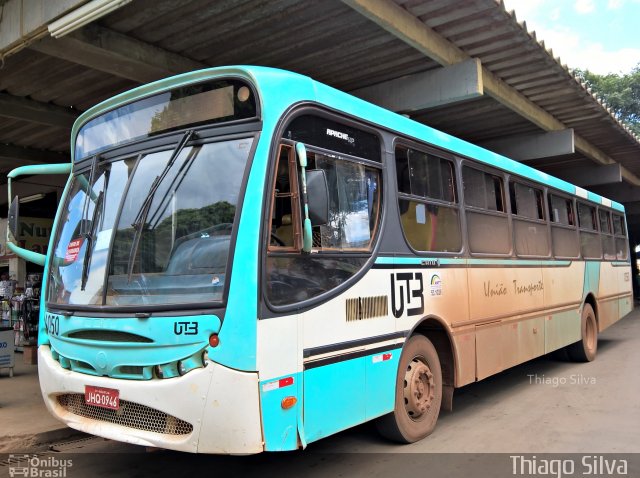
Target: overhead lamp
33 197
83 15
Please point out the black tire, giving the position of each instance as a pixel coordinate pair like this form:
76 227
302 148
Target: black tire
420 378
585 349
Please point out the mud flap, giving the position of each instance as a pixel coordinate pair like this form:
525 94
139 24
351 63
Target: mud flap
447 398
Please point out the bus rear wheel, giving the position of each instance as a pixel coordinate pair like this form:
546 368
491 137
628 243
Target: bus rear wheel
585 349
418 393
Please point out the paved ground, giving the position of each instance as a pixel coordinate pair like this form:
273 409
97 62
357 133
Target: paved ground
24 420
543 406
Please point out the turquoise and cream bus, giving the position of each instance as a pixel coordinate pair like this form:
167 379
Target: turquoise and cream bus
247 260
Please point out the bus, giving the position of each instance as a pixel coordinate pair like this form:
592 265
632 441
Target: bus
247 260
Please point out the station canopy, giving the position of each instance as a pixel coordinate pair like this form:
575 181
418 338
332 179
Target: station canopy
467 67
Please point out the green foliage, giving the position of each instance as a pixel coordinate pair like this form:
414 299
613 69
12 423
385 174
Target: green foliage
204 219
621 92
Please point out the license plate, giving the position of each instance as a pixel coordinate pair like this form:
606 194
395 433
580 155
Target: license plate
102 397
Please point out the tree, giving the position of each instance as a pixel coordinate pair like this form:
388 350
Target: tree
620 91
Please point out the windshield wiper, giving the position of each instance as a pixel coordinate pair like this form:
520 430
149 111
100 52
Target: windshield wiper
141 217
89 239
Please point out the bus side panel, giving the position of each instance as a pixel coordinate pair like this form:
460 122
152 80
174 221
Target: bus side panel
625 276
382 369
564 287
562 328
502 296
280 426
563 284
519 341
499 292
339 339
279 365
591 277
608 295
334 398
464 344
522 340
488 350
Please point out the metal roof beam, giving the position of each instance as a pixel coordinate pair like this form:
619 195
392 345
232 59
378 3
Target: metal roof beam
117 54
22 156
420 91
533 146
23 22
36 112
623 193
405 26
589 176
632 209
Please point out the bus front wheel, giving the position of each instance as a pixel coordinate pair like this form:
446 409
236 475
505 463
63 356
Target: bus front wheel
418 393
585 349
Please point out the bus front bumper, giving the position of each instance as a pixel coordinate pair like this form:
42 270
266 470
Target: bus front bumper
209 410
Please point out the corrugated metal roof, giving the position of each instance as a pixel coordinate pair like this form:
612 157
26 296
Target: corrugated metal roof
333 43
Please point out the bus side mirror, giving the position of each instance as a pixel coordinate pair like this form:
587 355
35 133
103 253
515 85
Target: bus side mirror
301 153
307 234
318 197
14 217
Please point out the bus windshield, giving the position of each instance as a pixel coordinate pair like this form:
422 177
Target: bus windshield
179 253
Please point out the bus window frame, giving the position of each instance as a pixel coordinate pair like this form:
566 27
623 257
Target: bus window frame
584 230
128 150
294 198
504 177
401 141
573 227
606 235
311 149
624 235
512 180
268 309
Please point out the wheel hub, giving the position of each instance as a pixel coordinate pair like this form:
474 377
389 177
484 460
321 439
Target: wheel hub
419 388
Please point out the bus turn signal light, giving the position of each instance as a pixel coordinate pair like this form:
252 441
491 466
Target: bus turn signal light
214 340
288 402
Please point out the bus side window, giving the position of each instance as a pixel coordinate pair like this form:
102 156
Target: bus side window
622 245
590 245
563 233
608 241
427 201
529 224
285 225
487 222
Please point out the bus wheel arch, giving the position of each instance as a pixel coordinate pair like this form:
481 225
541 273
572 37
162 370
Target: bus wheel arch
585 349
591 300
434 329
417 393
424 383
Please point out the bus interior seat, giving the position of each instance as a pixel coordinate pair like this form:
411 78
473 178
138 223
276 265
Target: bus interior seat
285 230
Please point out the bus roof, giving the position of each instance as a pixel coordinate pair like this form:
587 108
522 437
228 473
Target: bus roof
300 88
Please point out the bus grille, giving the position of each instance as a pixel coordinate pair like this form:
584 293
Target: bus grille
360 308
108 336
130 414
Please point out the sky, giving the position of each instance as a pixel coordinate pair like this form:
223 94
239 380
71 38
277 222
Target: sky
602 36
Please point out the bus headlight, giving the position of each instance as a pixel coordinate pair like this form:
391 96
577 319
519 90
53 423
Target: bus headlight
182 369
158 371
